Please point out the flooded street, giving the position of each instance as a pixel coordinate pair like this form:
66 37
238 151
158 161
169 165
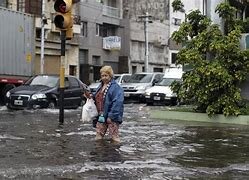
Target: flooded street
32 149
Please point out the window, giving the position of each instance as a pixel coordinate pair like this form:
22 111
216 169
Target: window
158 69
158 78
177 21
72 70
74 83
109 30
84 28
173 58
66 83
38 33
134 69
140 78
3 3
21 5
106 30
96 60
33 7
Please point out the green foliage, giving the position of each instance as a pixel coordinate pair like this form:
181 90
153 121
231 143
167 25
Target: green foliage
218 64
245 108
244 25
177 6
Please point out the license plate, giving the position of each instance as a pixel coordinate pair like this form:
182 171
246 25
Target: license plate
18 102
126 95
156 98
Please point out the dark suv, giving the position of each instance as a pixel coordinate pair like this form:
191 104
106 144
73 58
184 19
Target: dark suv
42 91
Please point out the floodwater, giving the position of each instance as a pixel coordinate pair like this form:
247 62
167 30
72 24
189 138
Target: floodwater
32 148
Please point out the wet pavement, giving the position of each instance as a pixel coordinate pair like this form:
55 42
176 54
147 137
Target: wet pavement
32 148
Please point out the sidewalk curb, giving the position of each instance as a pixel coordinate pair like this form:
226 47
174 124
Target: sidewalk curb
199 117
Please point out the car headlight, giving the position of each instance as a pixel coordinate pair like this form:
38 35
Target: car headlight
38 96
8 94
140 88
171 95
147 93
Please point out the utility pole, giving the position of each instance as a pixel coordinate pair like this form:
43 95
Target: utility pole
146 36
62 76
42 37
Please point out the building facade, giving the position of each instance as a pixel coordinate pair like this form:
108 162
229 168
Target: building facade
176 18
113 32
101 38
52 48
134 21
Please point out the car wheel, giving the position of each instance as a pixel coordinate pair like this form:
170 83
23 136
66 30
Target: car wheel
51 104
173 102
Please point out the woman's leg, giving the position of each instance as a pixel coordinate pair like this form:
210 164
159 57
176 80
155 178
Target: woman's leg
113 130
101 129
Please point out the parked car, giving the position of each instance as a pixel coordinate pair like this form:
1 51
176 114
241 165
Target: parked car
161 92
93 86
42 91
135 87
120 78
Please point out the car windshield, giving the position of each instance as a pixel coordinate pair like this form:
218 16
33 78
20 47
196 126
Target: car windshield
125 78
122 79
50 81
140 78
167 81
117 78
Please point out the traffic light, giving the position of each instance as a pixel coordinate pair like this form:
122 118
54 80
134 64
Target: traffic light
63 18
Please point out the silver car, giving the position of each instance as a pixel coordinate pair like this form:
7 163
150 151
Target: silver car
135 87
119 78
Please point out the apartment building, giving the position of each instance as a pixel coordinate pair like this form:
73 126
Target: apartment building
112 32
134 20
176 18
101 38
98 37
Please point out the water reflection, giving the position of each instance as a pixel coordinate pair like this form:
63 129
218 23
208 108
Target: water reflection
150 149
106 151
214 147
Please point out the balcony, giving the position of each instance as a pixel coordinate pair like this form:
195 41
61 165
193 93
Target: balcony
111 12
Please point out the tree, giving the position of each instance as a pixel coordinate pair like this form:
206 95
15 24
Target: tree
218 64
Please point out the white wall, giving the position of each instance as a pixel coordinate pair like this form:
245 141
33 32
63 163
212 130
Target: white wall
188 7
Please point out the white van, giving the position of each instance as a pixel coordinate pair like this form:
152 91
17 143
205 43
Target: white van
161 92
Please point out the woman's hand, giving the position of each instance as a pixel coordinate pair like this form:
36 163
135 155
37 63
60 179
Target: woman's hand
88 95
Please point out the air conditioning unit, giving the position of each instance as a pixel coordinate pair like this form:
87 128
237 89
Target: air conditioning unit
38 23
244 41
76 28
160 41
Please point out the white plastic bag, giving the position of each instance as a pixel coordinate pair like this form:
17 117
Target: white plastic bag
89 111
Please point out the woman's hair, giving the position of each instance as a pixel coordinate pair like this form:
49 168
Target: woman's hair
107 69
